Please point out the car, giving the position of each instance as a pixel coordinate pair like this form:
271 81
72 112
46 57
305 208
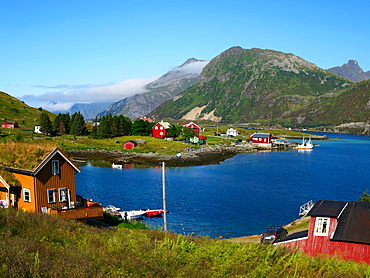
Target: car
273 234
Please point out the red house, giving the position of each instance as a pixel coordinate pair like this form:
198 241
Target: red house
129 145
9 125
261 139
336 228
197 128
159 130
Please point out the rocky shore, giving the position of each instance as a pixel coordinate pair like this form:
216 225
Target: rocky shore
189 157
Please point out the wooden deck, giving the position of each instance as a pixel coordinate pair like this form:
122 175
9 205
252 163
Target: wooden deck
81 213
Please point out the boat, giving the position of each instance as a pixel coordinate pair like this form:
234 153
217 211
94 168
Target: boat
306 145
131 214
153 212
116 166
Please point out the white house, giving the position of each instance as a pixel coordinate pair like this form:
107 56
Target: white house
37 129
232 132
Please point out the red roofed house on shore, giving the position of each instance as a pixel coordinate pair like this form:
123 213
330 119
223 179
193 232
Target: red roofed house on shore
159 130
49 188
261 139
9 125
197 128
337 228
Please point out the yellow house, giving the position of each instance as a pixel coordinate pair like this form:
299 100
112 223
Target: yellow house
49 188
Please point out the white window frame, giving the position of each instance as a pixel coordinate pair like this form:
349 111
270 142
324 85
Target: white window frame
51 194
55 167
26 192
322 226
62 193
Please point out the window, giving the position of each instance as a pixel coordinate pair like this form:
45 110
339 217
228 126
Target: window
26 195
51 196
322 226
62 195
55 167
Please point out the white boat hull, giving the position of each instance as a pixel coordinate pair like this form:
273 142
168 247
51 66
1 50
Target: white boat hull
132 214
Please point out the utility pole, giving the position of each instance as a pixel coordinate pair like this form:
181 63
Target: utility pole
164 197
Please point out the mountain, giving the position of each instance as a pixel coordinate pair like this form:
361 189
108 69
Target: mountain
164 88
14 110
351 71
89 110
344 107
245 85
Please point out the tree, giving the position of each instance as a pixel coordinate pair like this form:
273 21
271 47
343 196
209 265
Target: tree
125 125
187 133
365 197
62 123
174 131
104 129
45 123
78 124
141 128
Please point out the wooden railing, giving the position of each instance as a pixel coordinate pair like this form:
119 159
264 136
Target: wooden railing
80 213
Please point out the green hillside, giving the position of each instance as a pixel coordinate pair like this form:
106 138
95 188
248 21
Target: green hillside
37 245
244 85
12 109
351 104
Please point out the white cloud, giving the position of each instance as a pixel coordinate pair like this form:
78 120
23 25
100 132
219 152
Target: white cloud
62 97
194 67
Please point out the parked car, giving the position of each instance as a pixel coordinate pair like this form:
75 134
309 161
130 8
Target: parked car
273 234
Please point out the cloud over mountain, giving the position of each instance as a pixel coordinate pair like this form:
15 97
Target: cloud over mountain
62 97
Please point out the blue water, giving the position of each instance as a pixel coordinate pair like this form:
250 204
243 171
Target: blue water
241 196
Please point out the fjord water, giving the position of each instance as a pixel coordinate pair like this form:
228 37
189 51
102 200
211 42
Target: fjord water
241 196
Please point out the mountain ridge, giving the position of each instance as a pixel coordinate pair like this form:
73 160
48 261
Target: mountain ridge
242 85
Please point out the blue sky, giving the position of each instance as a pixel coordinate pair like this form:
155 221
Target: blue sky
84 51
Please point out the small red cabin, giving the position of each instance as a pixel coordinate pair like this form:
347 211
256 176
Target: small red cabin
129 145
261 139
336 228
197 128
9 125
159 130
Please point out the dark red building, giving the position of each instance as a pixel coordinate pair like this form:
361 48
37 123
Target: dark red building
337 228
159 130
261 139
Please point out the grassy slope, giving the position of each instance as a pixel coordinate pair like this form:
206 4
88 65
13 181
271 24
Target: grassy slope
35 245
12 109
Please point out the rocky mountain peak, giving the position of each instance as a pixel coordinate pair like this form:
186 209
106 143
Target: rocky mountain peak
351 71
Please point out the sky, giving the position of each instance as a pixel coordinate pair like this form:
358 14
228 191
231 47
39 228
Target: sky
56 53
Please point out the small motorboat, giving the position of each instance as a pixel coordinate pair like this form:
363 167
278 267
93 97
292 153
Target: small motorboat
116 166
153 212
131 214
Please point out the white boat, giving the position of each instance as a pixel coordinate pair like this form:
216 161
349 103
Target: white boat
306 145
131 214
116 166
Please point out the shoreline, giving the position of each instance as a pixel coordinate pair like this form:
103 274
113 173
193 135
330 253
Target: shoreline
189 156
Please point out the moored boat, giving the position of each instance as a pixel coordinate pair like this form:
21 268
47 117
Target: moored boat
131 214
116 166
305 145
153 212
